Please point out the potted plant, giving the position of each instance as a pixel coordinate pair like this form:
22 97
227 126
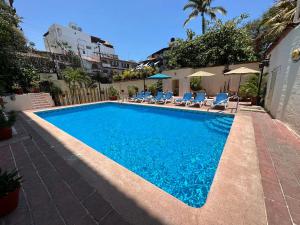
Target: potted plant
35 87
6 122
10 183
17 89
112 93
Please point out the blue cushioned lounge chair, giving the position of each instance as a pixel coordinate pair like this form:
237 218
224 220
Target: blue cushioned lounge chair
221 100
145 97
159 96
137 96
168 97
186 99
199 99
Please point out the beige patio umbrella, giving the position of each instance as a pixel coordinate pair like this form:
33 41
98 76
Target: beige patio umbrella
241 71
201 74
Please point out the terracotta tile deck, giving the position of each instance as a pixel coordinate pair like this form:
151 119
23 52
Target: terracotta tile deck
69 185
279 162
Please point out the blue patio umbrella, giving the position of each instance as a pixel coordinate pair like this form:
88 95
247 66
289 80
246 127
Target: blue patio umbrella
160 76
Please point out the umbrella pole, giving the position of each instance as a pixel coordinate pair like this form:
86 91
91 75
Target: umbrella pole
239 84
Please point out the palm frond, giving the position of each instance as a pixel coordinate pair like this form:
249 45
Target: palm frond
219 9
281 15
192 15
190 5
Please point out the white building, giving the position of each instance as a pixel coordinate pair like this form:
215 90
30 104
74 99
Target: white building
283 91
60 39
96 53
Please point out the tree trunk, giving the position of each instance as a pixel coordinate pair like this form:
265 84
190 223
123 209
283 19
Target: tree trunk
203 23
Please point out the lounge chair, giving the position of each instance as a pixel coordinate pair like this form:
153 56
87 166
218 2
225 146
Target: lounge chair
199 99
145 97
136 96
186 99
168 97
159 96
220 100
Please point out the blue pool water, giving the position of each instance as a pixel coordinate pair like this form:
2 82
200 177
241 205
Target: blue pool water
176 150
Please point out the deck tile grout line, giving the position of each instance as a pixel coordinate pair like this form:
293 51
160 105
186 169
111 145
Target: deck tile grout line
67 184
22 189
257 155
284 195
30 126
45 186
276 174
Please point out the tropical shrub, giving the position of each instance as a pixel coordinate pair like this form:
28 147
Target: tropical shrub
249 88
153 88
132 90
134 74
11 41
223 44
112 92
75 78
195 83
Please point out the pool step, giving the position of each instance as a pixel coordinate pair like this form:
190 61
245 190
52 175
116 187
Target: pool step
219 125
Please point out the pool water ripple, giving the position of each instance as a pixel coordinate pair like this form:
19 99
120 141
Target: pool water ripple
176 150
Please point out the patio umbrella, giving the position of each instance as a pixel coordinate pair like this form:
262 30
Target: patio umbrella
160 76
201 74
241 71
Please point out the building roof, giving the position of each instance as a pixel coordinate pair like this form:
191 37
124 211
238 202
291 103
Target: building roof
160 51
284 33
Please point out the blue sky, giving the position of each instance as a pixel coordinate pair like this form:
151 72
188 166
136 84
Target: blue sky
135 28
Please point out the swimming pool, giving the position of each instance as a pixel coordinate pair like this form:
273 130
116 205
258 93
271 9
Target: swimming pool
176 150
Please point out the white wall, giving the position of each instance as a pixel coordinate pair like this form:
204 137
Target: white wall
213 84
124 85
22 102
284 104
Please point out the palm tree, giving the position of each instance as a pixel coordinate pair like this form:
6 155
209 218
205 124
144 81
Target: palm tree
97 77
279 17
203 8
75 78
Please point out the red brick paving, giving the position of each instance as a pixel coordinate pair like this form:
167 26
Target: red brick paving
53 193
279 162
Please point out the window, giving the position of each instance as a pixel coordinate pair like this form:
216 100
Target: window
83 52
88 47
94 66
114 63
125 65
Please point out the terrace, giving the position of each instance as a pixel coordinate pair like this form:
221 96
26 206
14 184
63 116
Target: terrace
257 180
93 152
